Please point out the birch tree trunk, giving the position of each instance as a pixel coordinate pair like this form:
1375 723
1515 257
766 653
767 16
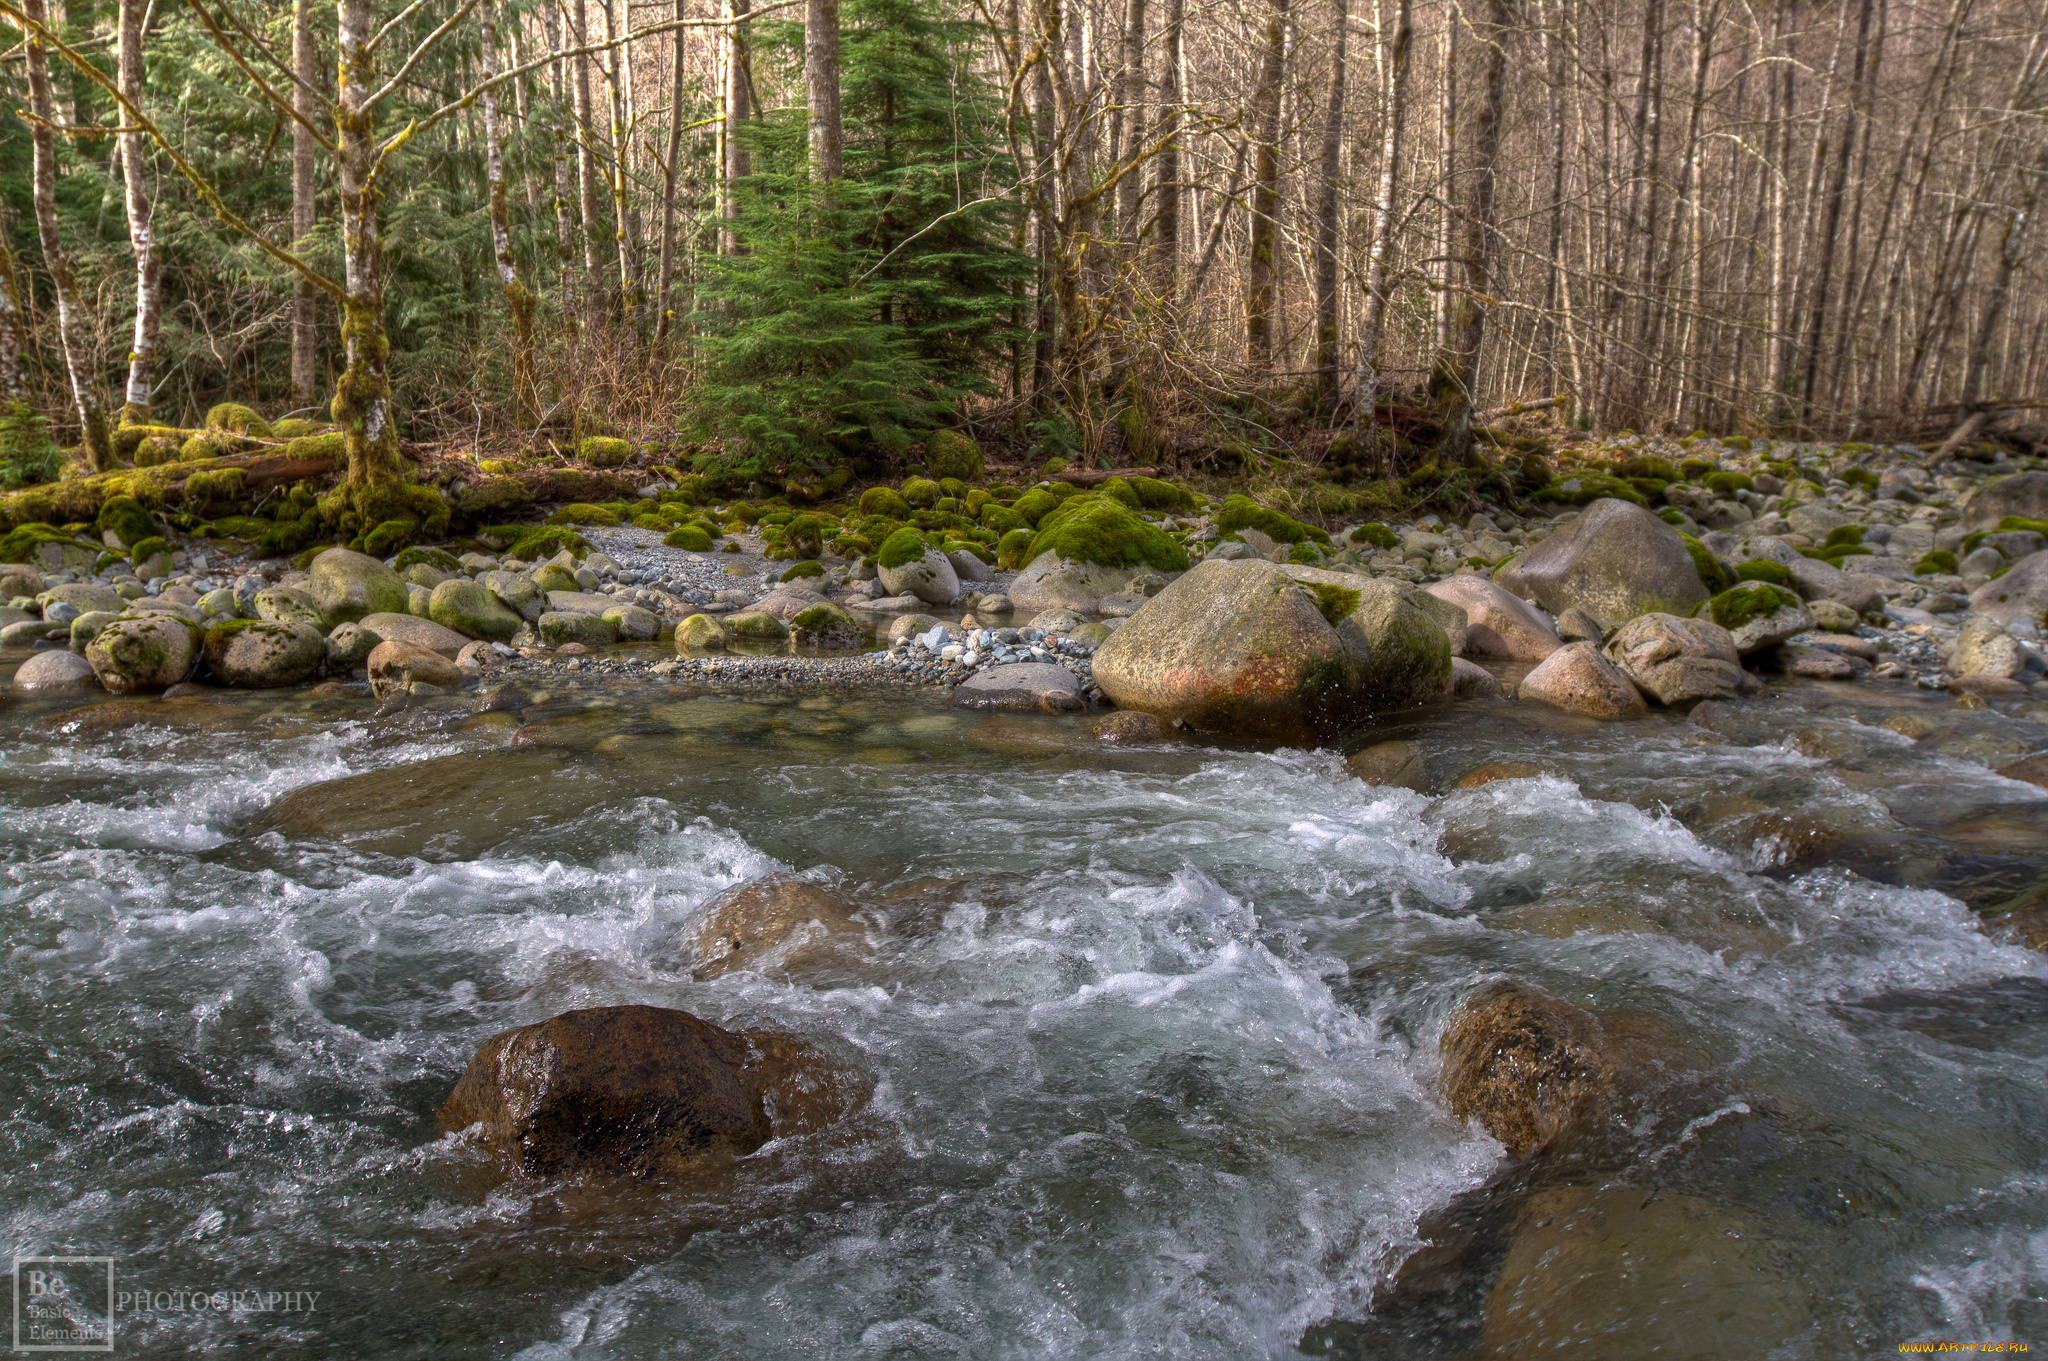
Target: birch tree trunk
1166 173
518 301
621 155
586 165
85 399
738 162
1379 257
13 331
663 301
305 300
558 157
135 162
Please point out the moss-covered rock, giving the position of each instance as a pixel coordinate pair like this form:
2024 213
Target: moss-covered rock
1583 488
128 439
826 625
1764 570
754 628
284 604
949 454
1013 550
635 623
601 451
691 538
1713 575
1728 483
438 558
884 501
1000 519
489 496
1758 614
47 548
387 537
578 514
809 567
1241 513
124 519
910 565
158 450
699 631
201 448
539 544
1648 466
1375 535
1117 489
240 420
1106 533
472 610
350 585
1035 505
1937 562
1156 494
558 627
153 652
922 491
261 654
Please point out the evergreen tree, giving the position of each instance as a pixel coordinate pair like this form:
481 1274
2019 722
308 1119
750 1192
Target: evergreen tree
859 317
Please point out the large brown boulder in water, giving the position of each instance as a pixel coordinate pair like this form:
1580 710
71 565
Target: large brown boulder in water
1615 561
1539 1072
776 922
633 1091
1259 649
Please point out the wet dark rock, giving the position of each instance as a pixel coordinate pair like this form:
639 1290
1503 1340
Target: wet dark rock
1022 685
1128 726
2033 770
777 922
632 1091
1499 770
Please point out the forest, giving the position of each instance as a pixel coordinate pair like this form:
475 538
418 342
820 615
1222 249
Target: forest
787 241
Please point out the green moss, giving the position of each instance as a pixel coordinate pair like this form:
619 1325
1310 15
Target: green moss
1939 562
689 537
388 536
1738 605
21 542
1241 512
603 452
238 419
125 518
1035 505
1696 468
437 558
1375 534
1712 574
884 501
293 427
1160 495
743 512
1119 490
1764 570
244 527
1727 484
921 491
1306 554
978 549
1011 550
953 487
1860 477
142 550
730 547
1054 465
1337 603
578 513
1001 519
810 567
200 448
901 548
546 542
1107 533
947 453
1740 442
1648 466
2021 522
1580 489
286 537
1844 536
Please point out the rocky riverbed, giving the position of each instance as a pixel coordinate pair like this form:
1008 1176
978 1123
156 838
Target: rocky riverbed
1630 946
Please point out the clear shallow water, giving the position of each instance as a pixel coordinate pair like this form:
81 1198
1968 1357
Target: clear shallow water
1151 1034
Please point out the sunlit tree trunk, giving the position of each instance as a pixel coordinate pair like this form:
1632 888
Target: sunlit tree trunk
518 301
586 165
821 89
738 161
13 331
135 165
71 320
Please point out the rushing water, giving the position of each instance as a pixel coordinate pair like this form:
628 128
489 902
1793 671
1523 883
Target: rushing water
1151 1033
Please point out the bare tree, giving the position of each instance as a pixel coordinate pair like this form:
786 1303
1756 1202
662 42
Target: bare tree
135 166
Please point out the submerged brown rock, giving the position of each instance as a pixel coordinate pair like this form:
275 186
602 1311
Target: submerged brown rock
777 920
633 1091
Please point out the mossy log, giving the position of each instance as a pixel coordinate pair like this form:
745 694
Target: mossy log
78 499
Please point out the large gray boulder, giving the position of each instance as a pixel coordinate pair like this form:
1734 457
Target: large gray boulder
2022 593
1577 679
82 594
471 610
349 585
259 654
1818 580
516 592
54 672
930 578
1497 624
1051 582
1259 649
1984 648
411 629
1022 685
1615 561
558 627
154 652
2023 494
1674 660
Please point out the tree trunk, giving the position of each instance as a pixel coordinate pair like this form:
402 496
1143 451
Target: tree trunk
586 165
1447 170
558 156
1456 372
1265 226
374 491
305 300
1326 213
738 163
621 155
1166 172
518 301
1379 257
13 331
2010 255
663 302
821 89
71 319
1832 221
1129 96
135 163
